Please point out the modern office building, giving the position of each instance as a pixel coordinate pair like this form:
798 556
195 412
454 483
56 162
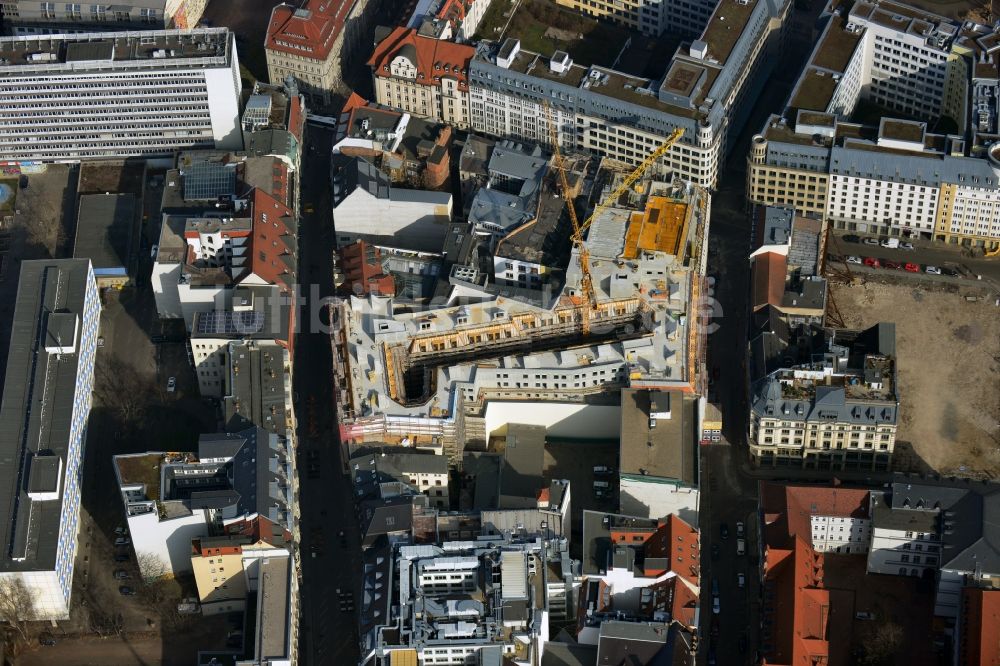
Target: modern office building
422 75
310 42
46 404
38 17
118 94
679 17
475 601
836 407
930 168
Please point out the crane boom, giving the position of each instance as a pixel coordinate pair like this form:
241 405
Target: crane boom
587 283
627 182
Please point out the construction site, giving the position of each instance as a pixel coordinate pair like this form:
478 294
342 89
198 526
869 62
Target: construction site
625 315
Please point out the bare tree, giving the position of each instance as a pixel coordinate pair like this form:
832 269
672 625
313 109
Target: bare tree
17 606
118 385
884 640
152 568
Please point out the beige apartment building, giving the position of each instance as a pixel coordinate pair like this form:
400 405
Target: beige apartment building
310 44
424 76
785 182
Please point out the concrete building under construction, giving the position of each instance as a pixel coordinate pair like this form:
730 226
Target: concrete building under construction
482 355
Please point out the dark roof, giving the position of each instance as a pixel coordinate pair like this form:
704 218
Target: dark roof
36 414
104 231
634 643
569 654
219 445
379 517
524 459
669 449
964 513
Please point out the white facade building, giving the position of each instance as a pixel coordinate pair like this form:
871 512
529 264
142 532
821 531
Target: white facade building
840 534
77 97
43 426
366 207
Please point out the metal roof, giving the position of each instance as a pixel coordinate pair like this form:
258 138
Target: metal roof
36 415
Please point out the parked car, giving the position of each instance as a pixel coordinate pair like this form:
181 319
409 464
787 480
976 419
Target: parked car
893 265
950 272
906 246
171 385
724 530
911 268
741 580
854 259
932 270
872 262
864 615
890 243
121 530
46 639
740 529
122 541
126 591
121 574
716 608
741 547
153 252
851 238
870 241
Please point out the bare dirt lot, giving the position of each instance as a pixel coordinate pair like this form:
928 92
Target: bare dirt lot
948 355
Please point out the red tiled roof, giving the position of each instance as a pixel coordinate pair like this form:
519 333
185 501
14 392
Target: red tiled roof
768 279
431 56
979 627
787 509
310 32
267 246
678 544
800 606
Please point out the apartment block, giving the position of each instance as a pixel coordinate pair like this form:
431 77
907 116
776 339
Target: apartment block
310 41
422 75
680 17
164 91
216 236
785 267
38 17
838 410
431 603
937 527
389 472
830 520
46 405
707 90
411 150
227 567
930 169
260 313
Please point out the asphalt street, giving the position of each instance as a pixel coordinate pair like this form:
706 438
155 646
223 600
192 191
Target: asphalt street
329 562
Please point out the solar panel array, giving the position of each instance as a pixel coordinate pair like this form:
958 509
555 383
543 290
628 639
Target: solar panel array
230 323
209 180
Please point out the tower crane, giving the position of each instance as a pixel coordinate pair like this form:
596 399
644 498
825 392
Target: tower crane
589 297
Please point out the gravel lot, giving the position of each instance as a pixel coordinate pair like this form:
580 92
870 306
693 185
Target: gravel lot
948 370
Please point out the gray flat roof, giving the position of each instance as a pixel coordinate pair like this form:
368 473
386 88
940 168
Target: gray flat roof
669 449
273 608
36 414
104 230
